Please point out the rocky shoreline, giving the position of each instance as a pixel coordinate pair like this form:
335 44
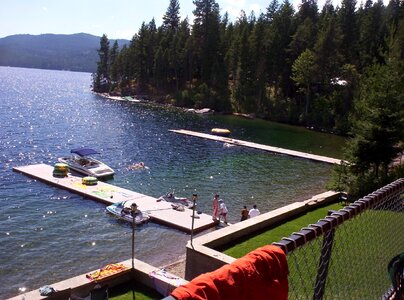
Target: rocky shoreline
160 101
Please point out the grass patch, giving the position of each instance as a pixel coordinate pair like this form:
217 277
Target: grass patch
361 250
277 233
124 292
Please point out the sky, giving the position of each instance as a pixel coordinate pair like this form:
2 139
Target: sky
115 18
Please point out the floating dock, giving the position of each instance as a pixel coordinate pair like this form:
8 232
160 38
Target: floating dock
160 211
283 151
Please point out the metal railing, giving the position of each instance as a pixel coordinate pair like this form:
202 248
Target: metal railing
346 254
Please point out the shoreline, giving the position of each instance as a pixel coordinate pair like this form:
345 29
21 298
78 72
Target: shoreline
206 110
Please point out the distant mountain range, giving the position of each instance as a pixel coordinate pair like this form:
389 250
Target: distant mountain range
74 52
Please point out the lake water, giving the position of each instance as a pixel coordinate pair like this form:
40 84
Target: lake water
48 234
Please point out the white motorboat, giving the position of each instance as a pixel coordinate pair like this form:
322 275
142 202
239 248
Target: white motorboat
170 197
81 161
122 210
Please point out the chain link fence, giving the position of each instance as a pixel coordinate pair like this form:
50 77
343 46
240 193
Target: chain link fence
346 254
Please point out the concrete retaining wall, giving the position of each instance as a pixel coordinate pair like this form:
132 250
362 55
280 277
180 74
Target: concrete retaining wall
80 286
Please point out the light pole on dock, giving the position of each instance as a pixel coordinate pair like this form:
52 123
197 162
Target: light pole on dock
133 211
194 198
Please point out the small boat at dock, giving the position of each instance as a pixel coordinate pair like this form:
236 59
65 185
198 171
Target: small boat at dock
122 210
81 161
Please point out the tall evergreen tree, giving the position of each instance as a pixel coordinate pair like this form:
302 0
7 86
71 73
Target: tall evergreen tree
271 11
348 22
171 19
308 9
395 35
113 70
372 34
304 74
205 33
279 37
208 60
183 54
327 52
259 62
244 91
101 79
304 38
377 129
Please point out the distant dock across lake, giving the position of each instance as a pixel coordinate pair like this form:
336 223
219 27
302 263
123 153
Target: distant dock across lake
283 151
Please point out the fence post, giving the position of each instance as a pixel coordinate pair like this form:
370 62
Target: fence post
323 263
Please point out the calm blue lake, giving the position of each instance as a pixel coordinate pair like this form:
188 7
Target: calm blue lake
49 234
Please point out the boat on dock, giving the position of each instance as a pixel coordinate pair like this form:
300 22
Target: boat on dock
81 161
123 210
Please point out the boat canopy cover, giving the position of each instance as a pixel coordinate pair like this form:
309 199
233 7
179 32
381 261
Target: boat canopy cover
84 151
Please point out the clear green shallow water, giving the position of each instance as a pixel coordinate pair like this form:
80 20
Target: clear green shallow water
48 234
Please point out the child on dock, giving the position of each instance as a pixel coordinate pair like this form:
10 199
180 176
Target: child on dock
244 213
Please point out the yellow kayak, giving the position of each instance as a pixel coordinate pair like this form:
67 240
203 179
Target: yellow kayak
221 131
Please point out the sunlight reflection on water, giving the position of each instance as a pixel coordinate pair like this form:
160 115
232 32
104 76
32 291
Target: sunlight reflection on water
48 234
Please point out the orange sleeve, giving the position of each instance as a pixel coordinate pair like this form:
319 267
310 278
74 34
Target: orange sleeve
258 275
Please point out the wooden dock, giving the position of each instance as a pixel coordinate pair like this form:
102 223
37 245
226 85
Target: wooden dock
283 151
160 211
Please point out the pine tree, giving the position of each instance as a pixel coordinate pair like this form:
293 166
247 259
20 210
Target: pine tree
259 50
101 80
271 11
171 19
244 89
279 37
348 22
205 33
327 52
142 55
208 59
304 38
304 74
113 70
378 127
395 34
308 9
372 32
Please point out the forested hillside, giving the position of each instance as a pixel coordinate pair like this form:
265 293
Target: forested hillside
301 67
75 52
338 69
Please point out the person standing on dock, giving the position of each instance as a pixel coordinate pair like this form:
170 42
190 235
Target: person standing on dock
223 211
244 213
215 206
254 212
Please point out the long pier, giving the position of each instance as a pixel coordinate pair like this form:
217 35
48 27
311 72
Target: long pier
160 211
283 151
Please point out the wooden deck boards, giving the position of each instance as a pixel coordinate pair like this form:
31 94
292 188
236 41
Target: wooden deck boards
314 157
160 212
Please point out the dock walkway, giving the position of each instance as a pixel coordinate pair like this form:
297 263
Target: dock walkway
314 157
160 211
